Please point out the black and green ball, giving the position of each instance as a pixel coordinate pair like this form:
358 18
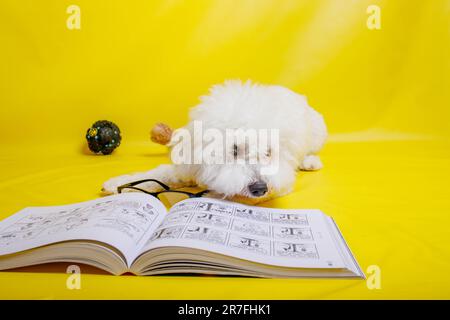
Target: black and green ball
103 137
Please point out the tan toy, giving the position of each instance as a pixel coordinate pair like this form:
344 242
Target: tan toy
161 133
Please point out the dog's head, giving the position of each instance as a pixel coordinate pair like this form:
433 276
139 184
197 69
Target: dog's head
245 165
250 172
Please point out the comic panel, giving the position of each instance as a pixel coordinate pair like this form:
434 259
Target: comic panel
177 218
205 234
167 233
211 219
215 208
249 244
252 214
290 218
295 250
292 233
251 227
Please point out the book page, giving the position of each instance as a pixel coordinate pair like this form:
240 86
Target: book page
290 238
124 221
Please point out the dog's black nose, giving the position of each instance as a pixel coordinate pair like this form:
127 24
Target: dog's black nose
258 189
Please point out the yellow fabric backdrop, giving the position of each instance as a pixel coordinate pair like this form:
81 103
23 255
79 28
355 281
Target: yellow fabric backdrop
384 93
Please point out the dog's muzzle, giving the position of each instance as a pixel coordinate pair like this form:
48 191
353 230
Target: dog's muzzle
258 189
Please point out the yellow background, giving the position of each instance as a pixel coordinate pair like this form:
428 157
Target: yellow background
384 94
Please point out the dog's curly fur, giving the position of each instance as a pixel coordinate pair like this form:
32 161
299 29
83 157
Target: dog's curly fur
233 105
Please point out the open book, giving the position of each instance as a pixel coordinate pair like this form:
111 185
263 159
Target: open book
134 232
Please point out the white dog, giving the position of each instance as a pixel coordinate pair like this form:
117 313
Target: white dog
232 106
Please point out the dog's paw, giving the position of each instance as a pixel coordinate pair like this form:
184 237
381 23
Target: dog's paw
311 163
110 186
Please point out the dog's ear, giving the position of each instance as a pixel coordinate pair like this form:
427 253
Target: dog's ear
161 133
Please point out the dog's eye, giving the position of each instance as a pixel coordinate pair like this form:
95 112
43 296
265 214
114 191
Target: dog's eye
235 150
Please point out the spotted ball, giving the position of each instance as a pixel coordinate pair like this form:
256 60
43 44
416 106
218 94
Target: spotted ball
103 137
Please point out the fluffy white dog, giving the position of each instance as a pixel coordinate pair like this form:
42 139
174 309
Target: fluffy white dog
238 106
